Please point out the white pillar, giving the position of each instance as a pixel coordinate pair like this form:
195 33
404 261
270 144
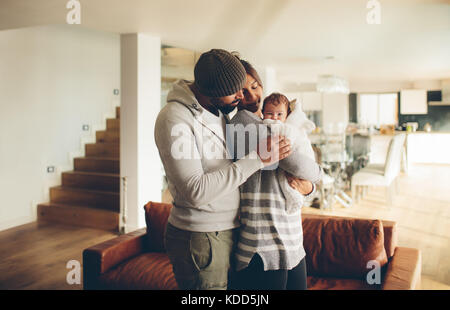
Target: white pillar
140 105
269 79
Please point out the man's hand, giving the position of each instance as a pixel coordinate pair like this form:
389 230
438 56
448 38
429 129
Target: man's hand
304 187
273 149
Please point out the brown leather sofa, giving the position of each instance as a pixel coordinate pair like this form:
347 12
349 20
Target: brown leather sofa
338 251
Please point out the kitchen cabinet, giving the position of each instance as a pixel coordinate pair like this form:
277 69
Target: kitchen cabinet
413 101
334 106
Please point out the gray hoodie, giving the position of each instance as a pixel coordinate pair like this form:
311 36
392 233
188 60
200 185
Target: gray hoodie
203 180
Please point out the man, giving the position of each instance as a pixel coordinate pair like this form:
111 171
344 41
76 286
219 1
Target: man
201 230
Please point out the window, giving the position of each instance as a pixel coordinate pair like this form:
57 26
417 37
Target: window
377 109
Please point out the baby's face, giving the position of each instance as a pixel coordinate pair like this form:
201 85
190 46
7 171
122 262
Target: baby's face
275 112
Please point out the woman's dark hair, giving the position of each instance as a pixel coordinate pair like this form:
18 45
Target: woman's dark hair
249 69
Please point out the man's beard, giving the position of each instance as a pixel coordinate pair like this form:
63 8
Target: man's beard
253 107
225 108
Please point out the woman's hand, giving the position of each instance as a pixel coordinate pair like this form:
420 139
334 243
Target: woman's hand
304 187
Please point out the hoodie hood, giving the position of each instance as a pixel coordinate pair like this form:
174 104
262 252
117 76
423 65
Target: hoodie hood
181 93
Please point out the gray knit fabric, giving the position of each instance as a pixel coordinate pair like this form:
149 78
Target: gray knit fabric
218 74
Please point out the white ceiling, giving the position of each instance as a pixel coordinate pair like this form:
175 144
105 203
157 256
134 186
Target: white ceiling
411 43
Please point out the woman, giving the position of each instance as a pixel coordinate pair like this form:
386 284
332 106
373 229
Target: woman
272 263
253 93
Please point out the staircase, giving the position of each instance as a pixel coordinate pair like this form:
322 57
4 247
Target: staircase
90 194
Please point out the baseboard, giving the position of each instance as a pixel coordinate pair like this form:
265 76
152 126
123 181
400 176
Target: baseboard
17 222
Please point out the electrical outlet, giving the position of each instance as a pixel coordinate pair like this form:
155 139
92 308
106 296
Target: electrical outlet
116 91
85 127
51 169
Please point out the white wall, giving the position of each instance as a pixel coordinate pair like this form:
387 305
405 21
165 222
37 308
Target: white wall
53 79
358 86
335 109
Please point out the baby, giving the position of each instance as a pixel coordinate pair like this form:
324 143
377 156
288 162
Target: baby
287 119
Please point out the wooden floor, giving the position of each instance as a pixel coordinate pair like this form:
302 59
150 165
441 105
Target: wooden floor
421 209
35 256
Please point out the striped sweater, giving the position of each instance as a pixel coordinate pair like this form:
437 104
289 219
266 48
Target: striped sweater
266 227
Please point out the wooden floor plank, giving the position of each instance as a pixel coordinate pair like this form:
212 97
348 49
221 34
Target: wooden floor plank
35 256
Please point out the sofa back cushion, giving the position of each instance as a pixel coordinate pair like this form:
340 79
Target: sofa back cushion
389 231
342 247
156 216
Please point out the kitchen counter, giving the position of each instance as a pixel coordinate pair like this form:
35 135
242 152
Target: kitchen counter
421 146
426 132
428 147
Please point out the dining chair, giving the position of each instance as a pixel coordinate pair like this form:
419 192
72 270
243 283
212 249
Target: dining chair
381 175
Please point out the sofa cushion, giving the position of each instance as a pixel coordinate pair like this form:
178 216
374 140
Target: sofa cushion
156 216
314 283
342 247
389 230
151 271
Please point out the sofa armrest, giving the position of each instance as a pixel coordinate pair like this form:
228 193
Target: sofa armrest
103 256
404 270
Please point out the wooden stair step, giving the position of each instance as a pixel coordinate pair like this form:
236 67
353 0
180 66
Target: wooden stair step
113 124
78 215
102 149
108 136
91 180
97 164
89 195
77 196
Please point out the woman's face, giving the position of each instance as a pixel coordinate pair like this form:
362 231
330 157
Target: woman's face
253 93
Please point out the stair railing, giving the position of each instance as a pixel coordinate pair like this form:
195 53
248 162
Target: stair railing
123 208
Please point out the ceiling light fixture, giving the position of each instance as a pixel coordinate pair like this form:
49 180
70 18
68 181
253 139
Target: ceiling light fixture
332 84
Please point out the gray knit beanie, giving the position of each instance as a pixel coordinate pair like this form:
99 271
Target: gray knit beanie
218 73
